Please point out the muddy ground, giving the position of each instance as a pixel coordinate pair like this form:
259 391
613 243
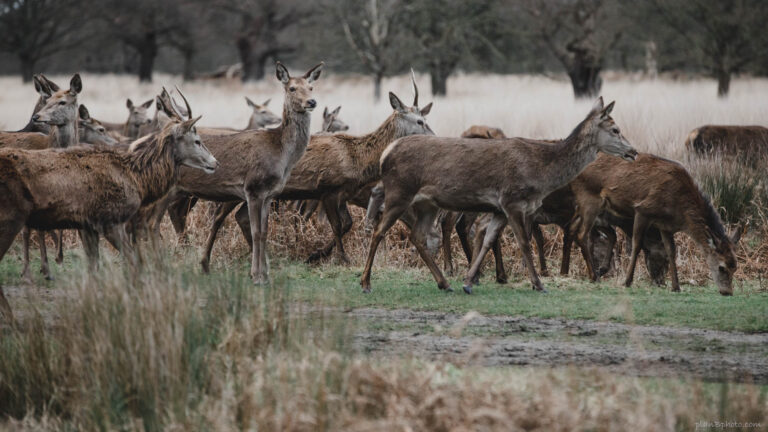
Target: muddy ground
517 341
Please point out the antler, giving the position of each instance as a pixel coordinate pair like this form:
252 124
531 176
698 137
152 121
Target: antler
189 110
168 105
415 89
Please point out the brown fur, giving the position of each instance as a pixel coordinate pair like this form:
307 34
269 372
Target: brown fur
478 131
655 192
745 142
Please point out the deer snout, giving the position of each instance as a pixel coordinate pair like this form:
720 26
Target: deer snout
311 103
36 117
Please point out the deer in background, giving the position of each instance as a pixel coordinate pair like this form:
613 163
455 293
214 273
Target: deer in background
508 178
44 88
332 122
256 164
655 192
261 116
748 143
137 118
92 131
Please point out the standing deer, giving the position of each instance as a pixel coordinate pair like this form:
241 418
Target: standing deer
749 143
261 116
95 190
137 118
256 164
332 122
508 178
655 192
44 87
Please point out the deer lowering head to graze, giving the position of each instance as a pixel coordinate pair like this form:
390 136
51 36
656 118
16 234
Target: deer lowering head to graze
508 177
261 116
92 131
332 122
747 143
656 192
95 190
477 131
255 164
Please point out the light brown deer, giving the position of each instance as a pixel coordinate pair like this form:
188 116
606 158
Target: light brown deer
44 88
257 163
261 116
91 131
478 131
137 118
95 190
332 122
508 178
655 192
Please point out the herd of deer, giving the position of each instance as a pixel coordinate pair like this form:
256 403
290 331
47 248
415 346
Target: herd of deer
67 170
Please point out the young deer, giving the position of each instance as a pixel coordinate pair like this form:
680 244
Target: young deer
257 163
261 116
95 190
508 178
656 192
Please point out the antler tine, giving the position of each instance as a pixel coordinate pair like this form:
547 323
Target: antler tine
415 89
189 109
167 101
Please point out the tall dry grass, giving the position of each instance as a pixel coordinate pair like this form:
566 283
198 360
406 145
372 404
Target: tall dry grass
168 350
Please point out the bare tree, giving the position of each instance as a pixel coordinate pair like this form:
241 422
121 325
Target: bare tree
35 29
579 33
728 34
368 30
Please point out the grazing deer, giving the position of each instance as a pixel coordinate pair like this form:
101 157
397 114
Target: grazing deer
332 122
261 116
92 131
655 192
257 163
509 178
746 142
137 118
95 190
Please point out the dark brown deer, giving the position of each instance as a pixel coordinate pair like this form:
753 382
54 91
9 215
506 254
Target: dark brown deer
95 190
255 164
508 178
746 142
655 192
92 131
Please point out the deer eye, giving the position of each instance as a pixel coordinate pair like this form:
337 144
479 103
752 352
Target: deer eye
62 103
311 88
615 130
197 142
293 89
420 122
102 130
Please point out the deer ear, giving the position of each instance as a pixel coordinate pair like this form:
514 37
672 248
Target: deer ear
426 110
250 102
282 73
737 234
128 103
75 84
186 126
147 104
607 111
396 103
266 102
597 106
83 111
313 74
325 112
336 111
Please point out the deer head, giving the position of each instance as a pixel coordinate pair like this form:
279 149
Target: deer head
411 120
721 260
609 139
91 131
137 116
261 115
331 121
298 91
61 106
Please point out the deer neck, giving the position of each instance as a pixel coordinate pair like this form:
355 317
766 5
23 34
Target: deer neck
66 135
571 156
154 167
371 147
294 134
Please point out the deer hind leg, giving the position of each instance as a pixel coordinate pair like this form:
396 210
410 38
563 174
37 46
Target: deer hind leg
334 211
241 217
517 222
264 223
178 210
565 264
584 223
446 228
538 237
26 237
463 228
90 239
501 273
392 213
256 206
497 223
9 229
59 240
425 220
639 227
669 245
222 211
45 269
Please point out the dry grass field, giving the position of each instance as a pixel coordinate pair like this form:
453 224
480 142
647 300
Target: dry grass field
172 349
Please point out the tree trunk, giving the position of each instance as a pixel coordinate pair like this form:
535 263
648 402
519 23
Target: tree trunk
245 51
189 74
586 81
258 68
439 74
377 87
147 54
27 69
723 83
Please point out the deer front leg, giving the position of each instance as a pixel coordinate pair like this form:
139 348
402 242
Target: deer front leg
638 231
669 244
538 237
222 211
59 239
263 257
425 219
497 223
331 205
255 209
565 264
391 214
90 239
45 269
26 237
446 228
517 222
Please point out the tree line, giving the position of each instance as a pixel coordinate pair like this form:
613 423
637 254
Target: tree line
379 38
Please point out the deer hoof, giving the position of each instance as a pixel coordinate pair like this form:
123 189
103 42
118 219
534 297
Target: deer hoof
501 279
726 293
204 264
539 288
468 289
48 277
446 288
367 290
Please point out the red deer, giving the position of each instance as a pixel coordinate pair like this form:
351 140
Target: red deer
334 169
478 131
746 142
509 178
44 88
261 116
654 192
332 122
137 118
91 131
95 190
256 164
